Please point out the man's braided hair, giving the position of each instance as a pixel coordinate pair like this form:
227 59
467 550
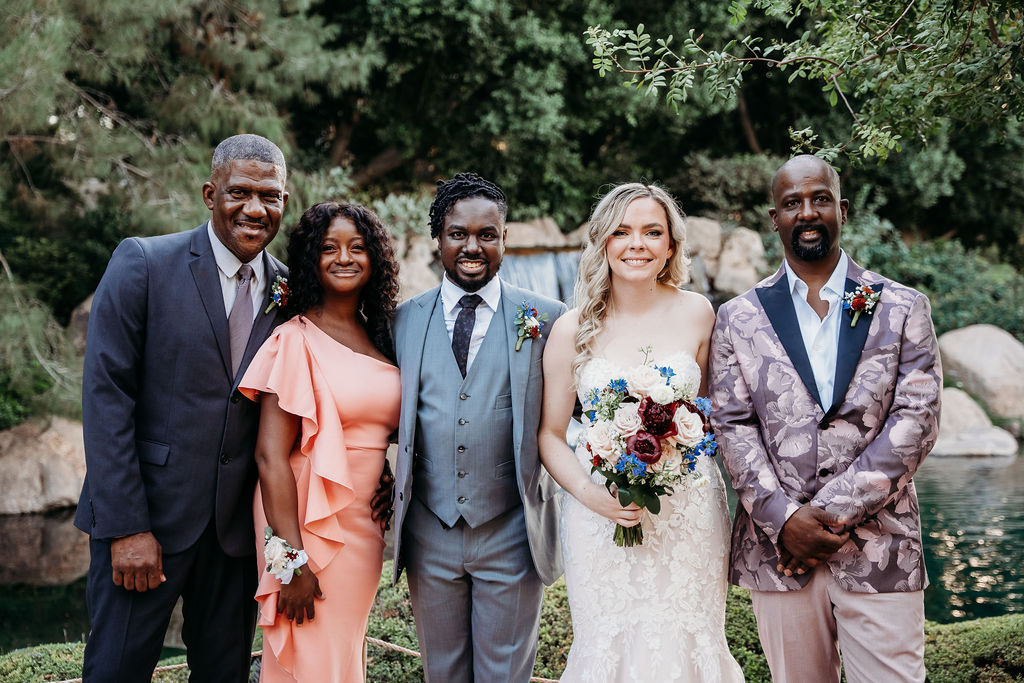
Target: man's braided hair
462 186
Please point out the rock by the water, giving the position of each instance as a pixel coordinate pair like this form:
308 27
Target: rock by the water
965 430
79 324
741 262
42 465
42 550
988 363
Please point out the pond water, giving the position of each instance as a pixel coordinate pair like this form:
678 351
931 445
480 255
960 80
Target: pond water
973 518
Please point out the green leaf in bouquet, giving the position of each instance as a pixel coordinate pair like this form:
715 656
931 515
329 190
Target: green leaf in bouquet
654 505
625 497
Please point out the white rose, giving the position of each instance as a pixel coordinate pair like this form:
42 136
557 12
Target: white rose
689 427
274 554
643 379
686 381
602 439
627 419
663 394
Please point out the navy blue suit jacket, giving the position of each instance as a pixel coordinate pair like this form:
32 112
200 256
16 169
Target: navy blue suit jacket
168 442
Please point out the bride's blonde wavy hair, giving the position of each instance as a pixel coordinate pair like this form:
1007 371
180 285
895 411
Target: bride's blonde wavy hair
593 281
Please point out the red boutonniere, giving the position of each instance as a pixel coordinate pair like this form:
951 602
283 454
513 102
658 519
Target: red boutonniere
860 300
278 294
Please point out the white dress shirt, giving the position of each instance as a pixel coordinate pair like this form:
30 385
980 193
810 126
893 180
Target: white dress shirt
821 335
450 295
228 265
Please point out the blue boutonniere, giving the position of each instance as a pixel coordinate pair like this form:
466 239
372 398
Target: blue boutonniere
528 323
278 293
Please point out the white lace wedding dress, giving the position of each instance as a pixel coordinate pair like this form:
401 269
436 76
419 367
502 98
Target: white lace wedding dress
654 612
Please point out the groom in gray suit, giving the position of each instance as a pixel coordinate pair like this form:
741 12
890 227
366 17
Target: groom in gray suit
475 518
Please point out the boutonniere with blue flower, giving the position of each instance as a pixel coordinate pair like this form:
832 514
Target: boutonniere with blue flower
278 294
860 300
528 323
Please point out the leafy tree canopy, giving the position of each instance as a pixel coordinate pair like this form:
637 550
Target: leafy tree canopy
900 71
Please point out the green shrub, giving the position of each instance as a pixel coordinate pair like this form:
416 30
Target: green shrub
990 649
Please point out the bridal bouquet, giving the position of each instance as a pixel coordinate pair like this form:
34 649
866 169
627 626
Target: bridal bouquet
645 433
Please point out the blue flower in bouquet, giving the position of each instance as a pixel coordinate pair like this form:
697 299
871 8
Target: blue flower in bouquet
666 372
618 386
703 405
632 463
707 445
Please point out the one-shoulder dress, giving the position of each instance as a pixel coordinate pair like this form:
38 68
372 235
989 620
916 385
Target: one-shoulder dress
348 404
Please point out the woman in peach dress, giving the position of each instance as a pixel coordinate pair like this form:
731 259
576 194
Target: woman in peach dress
329 395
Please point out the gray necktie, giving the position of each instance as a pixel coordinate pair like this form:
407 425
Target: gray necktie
240 318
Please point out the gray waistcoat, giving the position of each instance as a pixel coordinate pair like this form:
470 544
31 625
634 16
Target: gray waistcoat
464 464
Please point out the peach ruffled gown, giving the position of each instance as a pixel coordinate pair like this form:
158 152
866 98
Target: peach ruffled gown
348 403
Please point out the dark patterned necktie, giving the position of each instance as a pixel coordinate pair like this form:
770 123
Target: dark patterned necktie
463 331
240 318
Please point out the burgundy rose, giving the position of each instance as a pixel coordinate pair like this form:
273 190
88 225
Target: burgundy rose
645 447
657 418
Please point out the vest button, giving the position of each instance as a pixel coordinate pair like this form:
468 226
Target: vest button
461 449
463 396
462 420
462 499
462 474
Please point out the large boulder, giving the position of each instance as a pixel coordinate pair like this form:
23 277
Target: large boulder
741 262
42 465
704 241
989 364
415 274
965 429
540 233
42 550
79 324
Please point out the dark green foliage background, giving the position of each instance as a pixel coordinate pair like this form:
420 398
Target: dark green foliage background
109 111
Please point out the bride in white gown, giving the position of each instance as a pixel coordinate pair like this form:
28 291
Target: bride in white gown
656 611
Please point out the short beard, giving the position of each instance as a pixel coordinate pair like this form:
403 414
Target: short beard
815 253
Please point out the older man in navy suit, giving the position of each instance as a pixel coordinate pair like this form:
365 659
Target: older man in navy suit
168 492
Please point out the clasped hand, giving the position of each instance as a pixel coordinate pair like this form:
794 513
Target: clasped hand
807 540
137 562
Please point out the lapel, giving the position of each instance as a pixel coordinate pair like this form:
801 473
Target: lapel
851 340
778 305
518 361
264 323
204 272
414 337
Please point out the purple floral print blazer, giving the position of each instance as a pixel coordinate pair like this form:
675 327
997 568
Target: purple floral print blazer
855 458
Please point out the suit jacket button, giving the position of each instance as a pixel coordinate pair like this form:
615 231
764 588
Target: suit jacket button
463 396
462 420
224 458
462 499
824 472
461 449
236 397
462 474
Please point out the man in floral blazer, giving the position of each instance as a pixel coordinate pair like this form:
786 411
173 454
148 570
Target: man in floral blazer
826 384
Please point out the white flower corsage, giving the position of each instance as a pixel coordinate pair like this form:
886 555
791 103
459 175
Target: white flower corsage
282 559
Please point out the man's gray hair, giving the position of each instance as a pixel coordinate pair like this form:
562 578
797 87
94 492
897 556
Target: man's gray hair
247 147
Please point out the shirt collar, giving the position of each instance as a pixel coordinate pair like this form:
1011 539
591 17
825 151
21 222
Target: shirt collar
228 263
836 283
451 293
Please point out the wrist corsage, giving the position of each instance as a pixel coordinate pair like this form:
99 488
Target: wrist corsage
282 559
528 323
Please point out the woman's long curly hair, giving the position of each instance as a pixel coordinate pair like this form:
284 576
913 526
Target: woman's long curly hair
593 283
378 298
